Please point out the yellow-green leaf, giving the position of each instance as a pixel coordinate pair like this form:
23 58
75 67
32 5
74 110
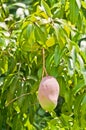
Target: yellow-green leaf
67 29
83 4
46 8
50 42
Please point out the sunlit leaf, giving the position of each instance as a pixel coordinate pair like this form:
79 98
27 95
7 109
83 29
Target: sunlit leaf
78 3
83 4
67 29
46 8
3 25
50 42
19 5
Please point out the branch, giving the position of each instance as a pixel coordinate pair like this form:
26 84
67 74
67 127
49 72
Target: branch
13 100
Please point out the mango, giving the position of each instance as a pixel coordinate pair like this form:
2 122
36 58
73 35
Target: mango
48 93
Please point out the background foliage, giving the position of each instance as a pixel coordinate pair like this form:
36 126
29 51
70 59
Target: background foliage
25 28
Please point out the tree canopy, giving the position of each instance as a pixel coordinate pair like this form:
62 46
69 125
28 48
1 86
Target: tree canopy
26 27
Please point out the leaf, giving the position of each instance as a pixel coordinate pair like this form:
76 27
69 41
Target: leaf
32 78
72 61
57 55
17 123
81 62
29 34
40 35
11 64
34 47
79 86
67 29
29 30
18 4
12 89
66 119
78 104
3 25
28 125
7 82
43 14
83 113
60 35
74 11
83 100
17 109
2 42
50 42
53 71
83 4
46 8
78 3
49 61
40 73
84 75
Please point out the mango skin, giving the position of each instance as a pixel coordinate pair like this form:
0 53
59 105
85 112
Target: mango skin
48 93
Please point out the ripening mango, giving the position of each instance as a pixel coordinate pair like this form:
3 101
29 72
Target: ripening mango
48 93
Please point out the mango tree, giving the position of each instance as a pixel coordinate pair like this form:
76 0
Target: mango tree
26 28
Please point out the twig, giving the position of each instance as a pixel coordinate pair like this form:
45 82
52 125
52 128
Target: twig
13 100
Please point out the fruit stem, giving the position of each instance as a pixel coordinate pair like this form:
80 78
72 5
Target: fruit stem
44 68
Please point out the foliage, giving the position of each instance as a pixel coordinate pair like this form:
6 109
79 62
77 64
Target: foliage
25 28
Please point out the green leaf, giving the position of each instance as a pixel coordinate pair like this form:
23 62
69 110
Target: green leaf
72 61
57 55
11 64
84 75
12 90
60 35
46 8
29 30
2 42
81 62
79 86
77 104
84 100
40 35
17 124
17 109
7 82
74 11
83 113
49 61
53 71
29 34
40 73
